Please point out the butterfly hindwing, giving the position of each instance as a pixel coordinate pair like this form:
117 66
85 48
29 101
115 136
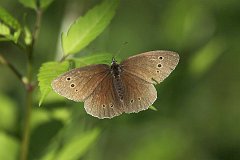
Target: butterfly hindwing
104 102
138 94
79 83
153 66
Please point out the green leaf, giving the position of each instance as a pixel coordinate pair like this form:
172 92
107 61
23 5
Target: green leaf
29 3
206 56
53 128
33 3
8 112
10 28
103 58
27 36
8 145
16 35
86 29
50 154
4 30
47 73
51 70
45 3
9 20
153 108
40 117
77 146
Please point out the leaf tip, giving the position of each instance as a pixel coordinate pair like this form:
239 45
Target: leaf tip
153 108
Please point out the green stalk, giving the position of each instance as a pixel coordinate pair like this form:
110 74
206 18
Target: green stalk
12 68
26 129
29 90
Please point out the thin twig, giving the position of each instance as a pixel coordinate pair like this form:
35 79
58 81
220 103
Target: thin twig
20 46
12 68
35 32
63 58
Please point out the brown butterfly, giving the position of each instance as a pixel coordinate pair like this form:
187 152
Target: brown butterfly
108 91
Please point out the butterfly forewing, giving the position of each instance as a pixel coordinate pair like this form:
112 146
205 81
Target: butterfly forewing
153 66
138 94
104 102
79 83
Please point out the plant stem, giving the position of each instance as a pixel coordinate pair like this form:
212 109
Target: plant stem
19 45
35 32
12 68
26 134
63 58
29 89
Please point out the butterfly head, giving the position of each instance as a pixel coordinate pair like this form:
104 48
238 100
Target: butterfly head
115 67
114 61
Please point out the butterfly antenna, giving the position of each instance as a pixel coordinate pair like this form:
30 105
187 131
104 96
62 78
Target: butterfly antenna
119 51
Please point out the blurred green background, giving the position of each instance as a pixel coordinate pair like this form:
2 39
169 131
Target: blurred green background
198 115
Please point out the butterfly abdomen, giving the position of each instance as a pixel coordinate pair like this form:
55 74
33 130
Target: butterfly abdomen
118 85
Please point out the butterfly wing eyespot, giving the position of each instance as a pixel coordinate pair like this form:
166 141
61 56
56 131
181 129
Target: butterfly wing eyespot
104 101
79 83
160 57
155 65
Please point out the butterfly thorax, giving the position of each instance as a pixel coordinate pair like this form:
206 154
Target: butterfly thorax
115 69
117 82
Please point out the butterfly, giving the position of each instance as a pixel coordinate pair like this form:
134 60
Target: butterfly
108 91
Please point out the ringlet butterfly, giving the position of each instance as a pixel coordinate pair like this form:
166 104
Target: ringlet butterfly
108 91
